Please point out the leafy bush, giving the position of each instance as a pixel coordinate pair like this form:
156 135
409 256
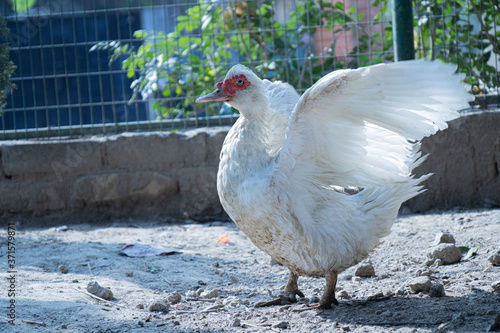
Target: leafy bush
6 66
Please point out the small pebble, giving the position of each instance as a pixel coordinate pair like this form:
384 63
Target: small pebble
343 294
174 298
444 237
74 281
140 306
400 292
192 294
140 323
211 293
63 269
495 259
365 271
236 323
437 290
176 322
199 291
95 289
281 324
496 286
448 253
64 327
422 283
424 272
356 279
129 274
438 262
158 305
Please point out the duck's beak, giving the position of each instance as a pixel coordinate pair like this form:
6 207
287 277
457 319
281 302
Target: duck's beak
217 95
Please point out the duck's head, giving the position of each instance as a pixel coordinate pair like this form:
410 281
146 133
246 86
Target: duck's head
241 89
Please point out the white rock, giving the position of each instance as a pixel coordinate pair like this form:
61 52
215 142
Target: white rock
95 289
496 286
365 270
158 305
422 283
211 293
444 237
448 253
495 259
174 298
236 323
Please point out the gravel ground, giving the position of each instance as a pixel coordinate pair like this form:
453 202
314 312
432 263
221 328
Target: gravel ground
213 287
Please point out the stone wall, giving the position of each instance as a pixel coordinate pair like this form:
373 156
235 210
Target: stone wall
465 160
129 175
164 175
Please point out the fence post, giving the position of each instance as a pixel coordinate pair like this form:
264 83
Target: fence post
402 29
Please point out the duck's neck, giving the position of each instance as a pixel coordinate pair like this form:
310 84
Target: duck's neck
253 139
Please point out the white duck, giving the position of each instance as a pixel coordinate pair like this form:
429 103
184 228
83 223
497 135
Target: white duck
316 181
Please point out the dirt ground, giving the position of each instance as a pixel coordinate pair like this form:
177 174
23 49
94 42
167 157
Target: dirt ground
236 275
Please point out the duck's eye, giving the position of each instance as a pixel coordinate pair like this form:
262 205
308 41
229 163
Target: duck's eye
240 82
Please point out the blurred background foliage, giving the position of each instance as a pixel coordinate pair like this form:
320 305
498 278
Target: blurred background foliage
174 68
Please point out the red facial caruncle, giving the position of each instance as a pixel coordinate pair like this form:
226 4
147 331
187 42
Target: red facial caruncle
232 85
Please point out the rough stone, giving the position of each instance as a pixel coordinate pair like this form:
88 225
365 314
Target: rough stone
210 293
62 269
437 290
495 259
421 283
444 237
95 289
159 305
174 298
496 286
281 324
446 252
365 271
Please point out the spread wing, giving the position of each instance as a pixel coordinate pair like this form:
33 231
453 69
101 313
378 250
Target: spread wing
359 127
282 99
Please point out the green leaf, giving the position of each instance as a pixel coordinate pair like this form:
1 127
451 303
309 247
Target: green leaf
339 6
463 249
140 34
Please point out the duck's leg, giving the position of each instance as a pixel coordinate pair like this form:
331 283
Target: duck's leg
329 294
289 294
292 289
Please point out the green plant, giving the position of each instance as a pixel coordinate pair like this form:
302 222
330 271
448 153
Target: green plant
6 66
462 32
177 67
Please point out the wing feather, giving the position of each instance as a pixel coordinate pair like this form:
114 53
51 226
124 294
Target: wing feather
282 99
359 127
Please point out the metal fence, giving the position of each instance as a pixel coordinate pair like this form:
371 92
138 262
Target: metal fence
101 67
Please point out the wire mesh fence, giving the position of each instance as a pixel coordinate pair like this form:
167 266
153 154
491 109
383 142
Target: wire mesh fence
102 67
